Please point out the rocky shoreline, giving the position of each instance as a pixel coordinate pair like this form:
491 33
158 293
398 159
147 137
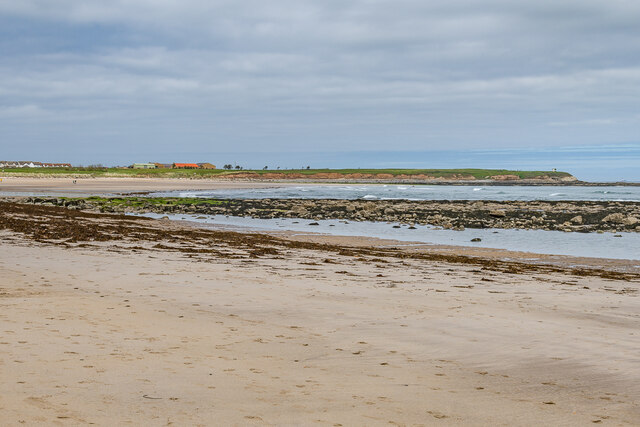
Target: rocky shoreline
570 216
72 228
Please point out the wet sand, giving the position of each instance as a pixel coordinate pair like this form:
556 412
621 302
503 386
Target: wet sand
418 248
87 185
154 324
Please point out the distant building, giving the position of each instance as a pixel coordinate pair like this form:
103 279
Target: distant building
206 166
29 164
56 165
144 165
185 166
19 164
163 165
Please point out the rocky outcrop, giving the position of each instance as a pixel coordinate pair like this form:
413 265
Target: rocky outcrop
505 177
457 215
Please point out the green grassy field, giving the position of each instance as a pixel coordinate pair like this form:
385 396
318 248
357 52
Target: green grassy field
202 173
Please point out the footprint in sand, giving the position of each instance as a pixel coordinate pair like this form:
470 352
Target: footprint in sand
437 414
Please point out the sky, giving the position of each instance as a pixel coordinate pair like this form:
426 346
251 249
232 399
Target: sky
370 83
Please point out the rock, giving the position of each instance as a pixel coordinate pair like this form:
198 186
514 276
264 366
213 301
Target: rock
576 219
313 223
504 177
476 239
498 213
630 220
616 218
300 211
370 208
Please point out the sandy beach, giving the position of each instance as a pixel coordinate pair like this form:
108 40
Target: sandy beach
156 323
87 185
320 213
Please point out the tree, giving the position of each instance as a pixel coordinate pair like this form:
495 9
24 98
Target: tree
228 166
265 168
308 167
238 167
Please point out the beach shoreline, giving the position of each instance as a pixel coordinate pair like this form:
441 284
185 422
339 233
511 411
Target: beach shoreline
569 216
132 184
153 321
112 185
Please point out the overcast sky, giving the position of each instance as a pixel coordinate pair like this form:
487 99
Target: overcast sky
137 80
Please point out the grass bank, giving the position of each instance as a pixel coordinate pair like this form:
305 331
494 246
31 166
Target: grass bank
297 173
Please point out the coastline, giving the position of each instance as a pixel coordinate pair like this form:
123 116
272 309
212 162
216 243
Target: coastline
70 228
147 183
86 185
566 216
138 321
562 262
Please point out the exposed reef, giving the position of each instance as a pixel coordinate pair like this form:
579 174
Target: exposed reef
577 216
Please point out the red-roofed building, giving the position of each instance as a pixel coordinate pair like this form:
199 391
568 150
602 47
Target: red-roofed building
185 166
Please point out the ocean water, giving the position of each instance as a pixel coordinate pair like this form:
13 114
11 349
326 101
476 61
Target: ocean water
596 245
421 192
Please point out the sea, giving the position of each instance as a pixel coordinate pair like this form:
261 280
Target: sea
421 192
597 245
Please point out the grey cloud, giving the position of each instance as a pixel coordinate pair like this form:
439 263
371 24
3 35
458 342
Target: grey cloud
343 74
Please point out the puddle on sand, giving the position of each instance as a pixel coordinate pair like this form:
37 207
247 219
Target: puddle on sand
595 245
